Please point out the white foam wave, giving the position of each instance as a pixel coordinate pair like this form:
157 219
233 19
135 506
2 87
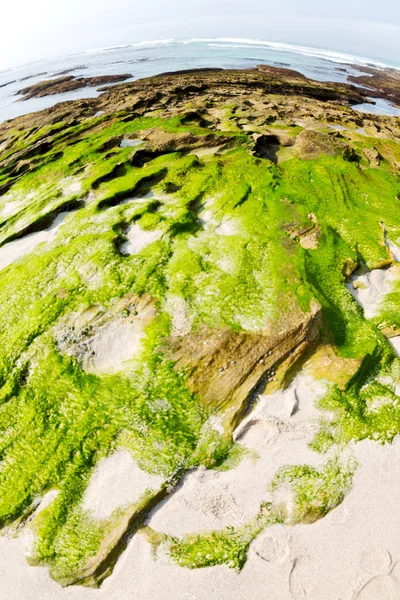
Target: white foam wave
292 48
145 44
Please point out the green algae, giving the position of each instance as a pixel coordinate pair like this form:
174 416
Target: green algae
315 492
226 252
228 546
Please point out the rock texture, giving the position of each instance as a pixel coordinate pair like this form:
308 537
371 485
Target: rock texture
67 83
214 220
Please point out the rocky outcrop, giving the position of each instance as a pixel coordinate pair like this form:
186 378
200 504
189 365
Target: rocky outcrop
382 83
224 367
67 83
218 273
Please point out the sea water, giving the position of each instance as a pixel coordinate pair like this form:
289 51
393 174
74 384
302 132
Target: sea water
154 57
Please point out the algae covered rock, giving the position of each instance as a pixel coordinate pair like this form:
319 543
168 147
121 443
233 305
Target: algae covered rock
210 223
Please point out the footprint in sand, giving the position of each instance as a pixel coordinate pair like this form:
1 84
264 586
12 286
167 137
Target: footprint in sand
384 586
379 588
303 580
376 561
395 573
271 549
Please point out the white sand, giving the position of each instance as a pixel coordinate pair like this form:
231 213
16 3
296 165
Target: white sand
370 289
117 482
10 207
178 309
46 501
114 344
139 238
353 553
14 250
108 350
395 341
228 227
128 143
278 430
394 249
149 196
71 186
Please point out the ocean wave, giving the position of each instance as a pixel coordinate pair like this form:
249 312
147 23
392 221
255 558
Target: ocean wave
145 44
331 55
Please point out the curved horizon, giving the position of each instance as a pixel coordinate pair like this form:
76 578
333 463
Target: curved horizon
226 42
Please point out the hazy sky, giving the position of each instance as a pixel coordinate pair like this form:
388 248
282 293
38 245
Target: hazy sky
34 29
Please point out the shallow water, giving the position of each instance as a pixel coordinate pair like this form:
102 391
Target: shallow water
380 107
151 58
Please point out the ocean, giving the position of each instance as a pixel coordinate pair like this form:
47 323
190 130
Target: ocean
144 59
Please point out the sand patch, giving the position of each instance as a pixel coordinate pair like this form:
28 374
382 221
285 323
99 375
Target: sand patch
104 341
113 344
330 559
117 482
394 249
10 208
228 227
71 186
371 288
178 309
138 239
212 499
395 341
128 143
16 249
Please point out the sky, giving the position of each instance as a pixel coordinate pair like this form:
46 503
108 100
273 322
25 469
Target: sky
36 29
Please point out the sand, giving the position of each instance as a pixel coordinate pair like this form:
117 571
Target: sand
128 143
138 239
371 288
395 341
117 482
352 553
14 250
71 186
178 309
110 346
276 433
114 344
394 249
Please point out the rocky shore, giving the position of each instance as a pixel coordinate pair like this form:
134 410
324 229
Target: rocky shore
189 257
67 83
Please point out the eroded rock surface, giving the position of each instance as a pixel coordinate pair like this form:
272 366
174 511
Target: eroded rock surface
220 219
67 83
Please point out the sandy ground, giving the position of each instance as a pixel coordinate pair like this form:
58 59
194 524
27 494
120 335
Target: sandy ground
178 309
353 553
370 289
276 433
117 482
395 341
128 143
115 343
71 186
111 341
395 250
16 249
138 239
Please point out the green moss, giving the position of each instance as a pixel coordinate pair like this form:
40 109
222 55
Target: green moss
227 250
226 547
314 491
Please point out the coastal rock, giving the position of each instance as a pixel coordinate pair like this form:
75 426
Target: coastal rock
67 83
191 315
